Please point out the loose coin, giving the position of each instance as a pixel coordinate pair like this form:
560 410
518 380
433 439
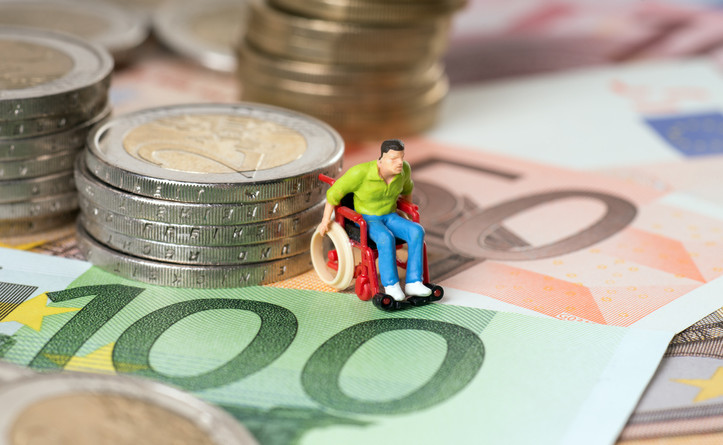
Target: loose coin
25 189
176 275
202 235
49 82
86 408
215 153
292 244
117 29
173 212
202 31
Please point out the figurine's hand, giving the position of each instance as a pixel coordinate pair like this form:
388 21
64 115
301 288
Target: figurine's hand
323 227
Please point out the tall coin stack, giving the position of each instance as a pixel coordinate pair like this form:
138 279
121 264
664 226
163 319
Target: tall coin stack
369 68
53 89
204 195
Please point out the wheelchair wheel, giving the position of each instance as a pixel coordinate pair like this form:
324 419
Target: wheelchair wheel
343 276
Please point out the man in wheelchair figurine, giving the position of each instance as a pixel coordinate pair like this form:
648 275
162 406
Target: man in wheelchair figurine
376 187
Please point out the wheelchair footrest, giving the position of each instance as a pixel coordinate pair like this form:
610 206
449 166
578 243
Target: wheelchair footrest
387 303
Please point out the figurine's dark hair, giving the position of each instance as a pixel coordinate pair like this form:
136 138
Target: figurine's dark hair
391 144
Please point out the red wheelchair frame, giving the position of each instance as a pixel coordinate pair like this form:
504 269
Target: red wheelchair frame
365 273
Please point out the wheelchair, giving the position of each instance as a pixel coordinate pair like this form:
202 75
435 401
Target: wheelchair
339 266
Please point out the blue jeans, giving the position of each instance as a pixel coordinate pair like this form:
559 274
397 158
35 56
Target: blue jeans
382 230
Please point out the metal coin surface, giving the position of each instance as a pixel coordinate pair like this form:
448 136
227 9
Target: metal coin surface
26 226
173 212
293 244
371 11
214 153
176 275
9 372
115 28
205 32
72 138
25 189
277 32
86 408
202 235
252 60
38 166
39 207
350 99
49 82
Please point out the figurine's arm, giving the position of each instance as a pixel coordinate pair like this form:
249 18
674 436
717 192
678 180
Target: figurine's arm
347 183
406 194
325 220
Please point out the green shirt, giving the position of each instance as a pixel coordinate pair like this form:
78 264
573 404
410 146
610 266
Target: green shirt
372 196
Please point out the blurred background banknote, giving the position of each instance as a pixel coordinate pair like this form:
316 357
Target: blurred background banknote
311 367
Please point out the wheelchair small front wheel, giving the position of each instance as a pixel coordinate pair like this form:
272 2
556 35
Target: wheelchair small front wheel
342 277
384 302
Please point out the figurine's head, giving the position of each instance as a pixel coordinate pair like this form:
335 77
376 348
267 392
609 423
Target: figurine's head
391 144
391 160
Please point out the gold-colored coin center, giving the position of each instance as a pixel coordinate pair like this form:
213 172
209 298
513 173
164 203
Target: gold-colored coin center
25 65
90 419
207 143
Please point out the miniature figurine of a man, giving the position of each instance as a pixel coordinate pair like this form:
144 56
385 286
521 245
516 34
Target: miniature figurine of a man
376 186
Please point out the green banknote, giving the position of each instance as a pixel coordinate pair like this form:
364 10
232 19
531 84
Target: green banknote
308 367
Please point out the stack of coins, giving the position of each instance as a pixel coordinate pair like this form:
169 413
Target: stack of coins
53 88
369 68
204 195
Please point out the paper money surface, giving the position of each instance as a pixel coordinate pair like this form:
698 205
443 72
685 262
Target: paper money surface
685 398
593 118
311 367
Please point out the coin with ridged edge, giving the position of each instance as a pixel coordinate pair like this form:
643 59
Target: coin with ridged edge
160 210
177 275
65 140
214 153
49 82
202 235
45 408
24 189
278 32
26 226
371 11
291 245
39 207
38 166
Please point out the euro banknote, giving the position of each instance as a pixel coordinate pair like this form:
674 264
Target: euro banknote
682 404
311 367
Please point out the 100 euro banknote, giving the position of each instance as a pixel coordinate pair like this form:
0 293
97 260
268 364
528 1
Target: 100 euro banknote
311 367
